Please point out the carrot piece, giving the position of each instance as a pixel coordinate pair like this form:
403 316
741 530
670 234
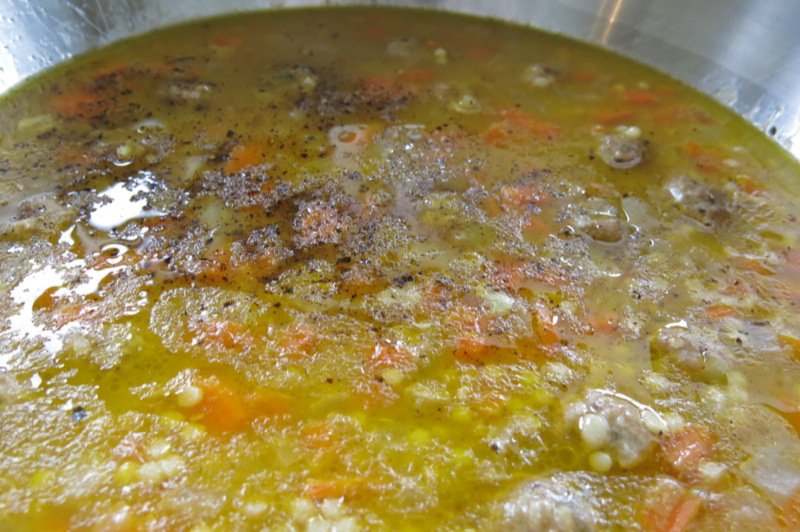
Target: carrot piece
297 339
639 97
80 103
45 301
222 409
792 342
520 196
747 184
108 71
480 53
719 311
604 322
790 515
223 334
705 159
793 418
531 123
793 256
473 350
670 512
754 265
245 155
673 114
62 314
385 356
682 514
495 136
535 225
380 86
688 448
583 76
226 410
269 403
347 488
419 75
614 117
543 323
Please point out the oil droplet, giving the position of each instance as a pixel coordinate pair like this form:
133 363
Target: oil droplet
122 206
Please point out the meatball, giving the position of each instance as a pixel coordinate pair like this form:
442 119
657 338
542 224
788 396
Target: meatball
545 504
688 351
623 428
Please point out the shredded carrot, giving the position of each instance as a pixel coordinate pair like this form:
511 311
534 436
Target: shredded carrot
226 41
531 123
682 514
793 256
792 342
738 288
673 114
671 515
347 488
80 103
614 117
640 97
688 448
747 184
719 311
753 265
61 314
790 516
705 159
496 135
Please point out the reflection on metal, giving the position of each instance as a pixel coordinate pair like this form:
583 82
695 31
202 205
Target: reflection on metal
745 53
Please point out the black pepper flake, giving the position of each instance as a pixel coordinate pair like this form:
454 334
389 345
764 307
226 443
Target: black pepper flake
402 280
79 414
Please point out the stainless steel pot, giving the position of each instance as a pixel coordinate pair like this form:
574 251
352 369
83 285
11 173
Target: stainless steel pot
745 53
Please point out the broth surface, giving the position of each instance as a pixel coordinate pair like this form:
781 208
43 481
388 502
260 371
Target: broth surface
359 268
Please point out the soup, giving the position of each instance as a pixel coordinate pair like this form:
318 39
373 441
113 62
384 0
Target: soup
357 268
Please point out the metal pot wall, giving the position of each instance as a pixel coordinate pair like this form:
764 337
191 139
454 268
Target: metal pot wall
745 53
